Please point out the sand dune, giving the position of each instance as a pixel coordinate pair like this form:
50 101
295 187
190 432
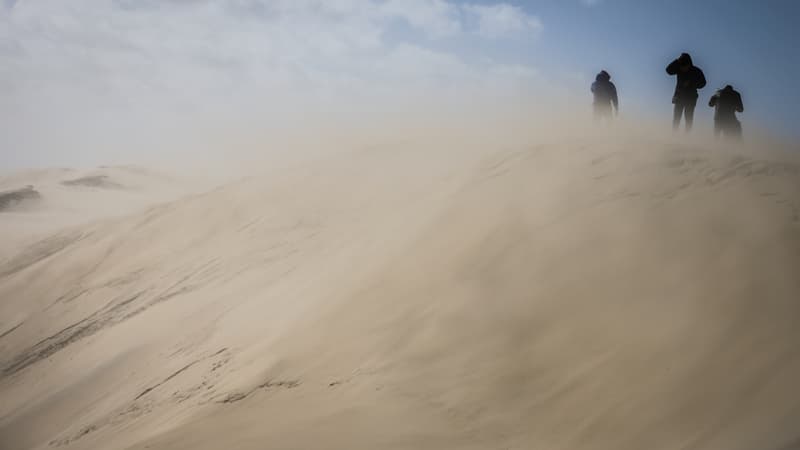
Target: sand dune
15 198
98 181
36 203
594 293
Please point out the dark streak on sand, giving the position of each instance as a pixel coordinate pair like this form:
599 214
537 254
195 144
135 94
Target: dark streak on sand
176 373
78 330
173 375
112 313
11 330
234 397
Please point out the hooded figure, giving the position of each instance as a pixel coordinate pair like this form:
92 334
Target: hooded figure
690 79
727 102
605 95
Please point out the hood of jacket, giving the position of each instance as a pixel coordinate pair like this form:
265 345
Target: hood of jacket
603 76
685 59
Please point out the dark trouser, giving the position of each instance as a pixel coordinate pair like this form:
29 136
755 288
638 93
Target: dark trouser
683 107
603 111
729 127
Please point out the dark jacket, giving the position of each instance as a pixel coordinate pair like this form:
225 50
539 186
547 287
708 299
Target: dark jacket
727 102
688 82
604 90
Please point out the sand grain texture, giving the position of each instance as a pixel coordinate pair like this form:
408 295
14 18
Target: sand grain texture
592 294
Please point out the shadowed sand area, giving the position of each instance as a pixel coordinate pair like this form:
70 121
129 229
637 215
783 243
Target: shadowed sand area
589 293
13 198
96 181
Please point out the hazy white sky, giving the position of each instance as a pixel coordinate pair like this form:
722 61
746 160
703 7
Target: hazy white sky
106 81
86 79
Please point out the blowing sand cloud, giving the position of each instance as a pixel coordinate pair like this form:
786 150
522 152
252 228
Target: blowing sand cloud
85 72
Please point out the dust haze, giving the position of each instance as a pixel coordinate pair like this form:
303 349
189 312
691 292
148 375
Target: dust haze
460 281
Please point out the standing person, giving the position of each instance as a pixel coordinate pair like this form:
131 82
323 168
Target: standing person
727 102
605 96
690 79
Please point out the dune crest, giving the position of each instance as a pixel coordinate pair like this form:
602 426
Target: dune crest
594 293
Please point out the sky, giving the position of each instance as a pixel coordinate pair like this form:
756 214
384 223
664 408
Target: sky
87 82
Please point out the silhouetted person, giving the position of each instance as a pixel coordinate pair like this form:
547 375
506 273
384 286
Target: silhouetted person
727 102
690 79
605 96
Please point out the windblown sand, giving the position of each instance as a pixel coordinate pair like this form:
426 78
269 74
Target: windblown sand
597 293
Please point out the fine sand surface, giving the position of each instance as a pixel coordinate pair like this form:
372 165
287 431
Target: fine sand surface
588 293
36 203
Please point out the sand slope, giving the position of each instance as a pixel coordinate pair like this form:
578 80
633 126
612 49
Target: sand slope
618 295
35 203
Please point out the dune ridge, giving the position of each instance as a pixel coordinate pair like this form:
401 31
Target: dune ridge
594 293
